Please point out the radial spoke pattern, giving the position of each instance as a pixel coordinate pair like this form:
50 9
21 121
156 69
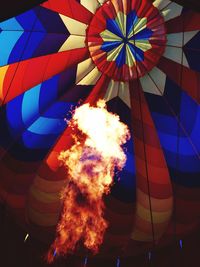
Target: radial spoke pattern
124 39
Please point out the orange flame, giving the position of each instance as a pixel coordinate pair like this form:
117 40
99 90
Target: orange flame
90 164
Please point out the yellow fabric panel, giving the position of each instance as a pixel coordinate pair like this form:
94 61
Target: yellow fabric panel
43 219
158 205
3 71
48 186
41 207
144 45
139 25
113 54
43 196
130 59
158 217
121 20
108 36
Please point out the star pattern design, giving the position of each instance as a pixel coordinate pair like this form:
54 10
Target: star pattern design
126 38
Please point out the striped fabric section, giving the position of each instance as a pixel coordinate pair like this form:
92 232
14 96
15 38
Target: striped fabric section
179 138
154 191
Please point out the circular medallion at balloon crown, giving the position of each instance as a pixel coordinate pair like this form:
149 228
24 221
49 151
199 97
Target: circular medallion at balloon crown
126 38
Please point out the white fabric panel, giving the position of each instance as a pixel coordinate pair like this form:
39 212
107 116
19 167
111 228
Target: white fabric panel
177 39
120 89
112 90
83 69
160 4
73 42
124 93
154 82
91 5
92 77
189 35
159 78
176 54
173 10
74 27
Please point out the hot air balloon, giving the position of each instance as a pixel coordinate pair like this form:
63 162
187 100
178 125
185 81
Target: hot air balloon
140 56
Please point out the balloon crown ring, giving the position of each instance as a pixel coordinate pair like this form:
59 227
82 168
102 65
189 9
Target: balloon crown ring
126 41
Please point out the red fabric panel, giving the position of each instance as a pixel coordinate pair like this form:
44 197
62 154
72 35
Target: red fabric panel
189 21
188 79
70 8
28 73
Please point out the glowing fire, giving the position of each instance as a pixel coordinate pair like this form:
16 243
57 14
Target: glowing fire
90 165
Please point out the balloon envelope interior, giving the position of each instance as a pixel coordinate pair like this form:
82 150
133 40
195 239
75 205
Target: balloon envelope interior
142 57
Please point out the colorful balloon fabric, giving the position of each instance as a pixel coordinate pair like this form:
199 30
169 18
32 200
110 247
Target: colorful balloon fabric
127 39
141 56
